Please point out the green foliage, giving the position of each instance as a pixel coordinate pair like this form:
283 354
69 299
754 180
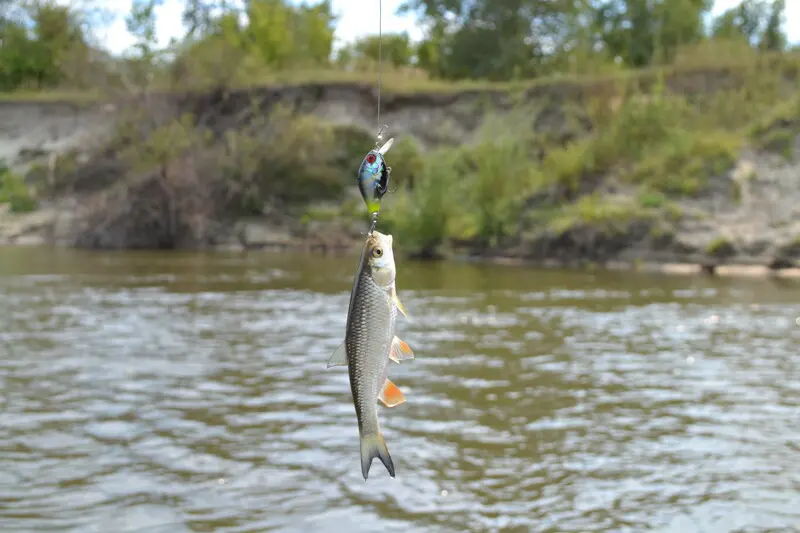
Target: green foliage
779 128
499 176
496 39
278 36
475 192
720 247
265 160
643 32
420 216
39 45
395 49
756 22
46 43
14 192
141 23
683 164
650 199
656 140
411 161
281 34
602 214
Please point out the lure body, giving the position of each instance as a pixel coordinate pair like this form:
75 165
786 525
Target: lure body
373 177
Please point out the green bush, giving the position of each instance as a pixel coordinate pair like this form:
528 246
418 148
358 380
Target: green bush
683 163
608 215
421 216
14 192
777 131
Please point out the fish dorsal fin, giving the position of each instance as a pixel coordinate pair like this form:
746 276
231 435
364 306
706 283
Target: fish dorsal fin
397 302
400 351
391 396
339 357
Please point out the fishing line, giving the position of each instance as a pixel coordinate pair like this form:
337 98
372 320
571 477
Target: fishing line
380 70
378 125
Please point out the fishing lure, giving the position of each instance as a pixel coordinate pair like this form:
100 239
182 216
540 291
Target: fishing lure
373 178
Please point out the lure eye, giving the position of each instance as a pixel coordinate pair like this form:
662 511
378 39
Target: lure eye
377 252
371 158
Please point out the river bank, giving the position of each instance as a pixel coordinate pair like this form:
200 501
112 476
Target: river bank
48 227
635 173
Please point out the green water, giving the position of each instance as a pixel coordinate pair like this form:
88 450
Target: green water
188 392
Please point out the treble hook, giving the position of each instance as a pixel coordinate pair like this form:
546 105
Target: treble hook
389 171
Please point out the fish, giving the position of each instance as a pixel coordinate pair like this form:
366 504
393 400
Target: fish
373 177
370 343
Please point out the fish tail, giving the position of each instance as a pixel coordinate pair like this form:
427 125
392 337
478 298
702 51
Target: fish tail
374 446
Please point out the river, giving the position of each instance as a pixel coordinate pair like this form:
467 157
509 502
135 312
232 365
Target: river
177 392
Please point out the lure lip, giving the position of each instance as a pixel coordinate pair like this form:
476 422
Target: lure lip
386 146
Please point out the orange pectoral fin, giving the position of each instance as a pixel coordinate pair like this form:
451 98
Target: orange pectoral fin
391 396
400 351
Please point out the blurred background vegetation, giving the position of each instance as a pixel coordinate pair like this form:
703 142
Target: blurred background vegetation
636 151
45 45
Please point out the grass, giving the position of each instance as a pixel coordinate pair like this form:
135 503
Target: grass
409 81
14 192
76 97
603 214
686 160
720 247
779 129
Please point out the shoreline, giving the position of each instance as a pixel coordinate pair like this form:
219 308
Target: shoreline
55 227
314 247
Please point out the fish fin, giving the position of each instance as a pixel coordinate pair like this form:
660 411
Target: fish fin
400 351
398 303
385 148
374 446
391 396
339 357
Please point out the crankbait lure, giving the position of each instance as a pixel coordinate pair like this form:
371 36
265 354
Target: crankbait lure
373 178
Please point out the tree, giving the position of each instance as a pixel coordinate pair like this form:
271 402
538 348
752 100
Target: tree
758 22
494 39
774 36
39 40
198 17
641 32
395 49
141 23
266 35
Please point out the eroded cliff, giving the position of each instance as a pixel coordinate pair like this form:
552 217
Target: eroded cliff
743 208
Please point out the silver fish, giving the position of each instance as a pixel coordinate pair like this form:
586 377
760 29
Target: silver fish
370 343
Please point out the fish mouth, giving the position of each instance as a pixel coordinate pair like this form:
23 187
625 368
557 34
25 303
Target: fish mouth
376 238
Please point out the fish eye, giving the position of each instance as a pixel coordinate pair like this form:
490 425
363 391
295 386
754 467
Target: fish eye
377 252
371 158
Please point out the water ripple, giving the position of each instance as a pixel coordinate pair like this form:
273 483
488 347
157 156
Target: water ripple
153 396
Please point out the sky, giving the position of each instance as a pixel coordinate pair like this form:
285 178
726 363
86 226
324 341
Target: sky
357 18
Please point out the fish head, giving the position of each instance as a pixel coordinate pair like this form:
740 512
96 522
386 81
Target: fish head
380 258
